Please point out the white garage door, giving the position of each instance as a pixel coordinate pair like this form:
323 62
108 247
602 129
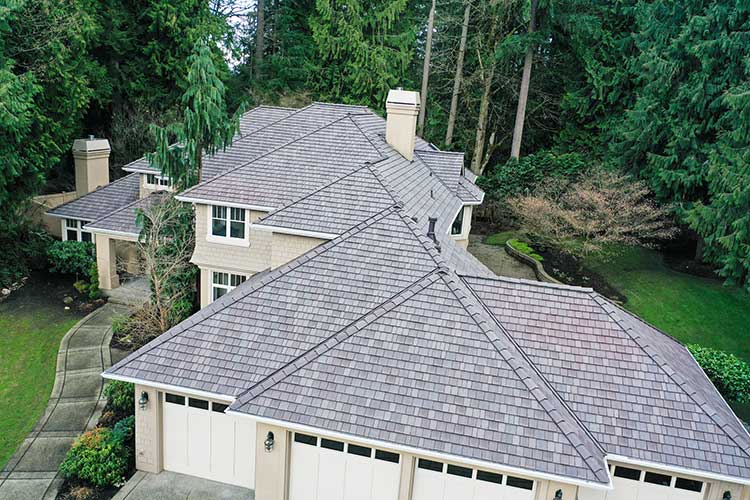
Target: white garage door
200 440
439 481
327 469
634 484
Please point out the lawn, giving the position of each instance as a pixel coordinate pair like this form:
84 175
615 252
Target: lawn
32 323
691 309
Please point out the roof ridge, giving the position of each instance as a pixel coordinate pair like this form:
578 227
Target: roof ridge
129 205
561 422
99 188
250 286
338 337
234 169
670 372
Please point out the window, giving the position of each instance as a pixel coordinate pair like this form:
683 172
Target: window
490 477
688 484
362 451
174 399
654 478
628 473
459 471
305 439
219 407
223 283
158 181
331 444
201 404
430 465
228 222
458 224
74 231
386 456
517 482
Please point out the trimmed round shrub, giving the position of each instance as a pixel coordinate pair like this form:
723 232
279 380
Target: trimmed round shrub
71 257
729 374
99 457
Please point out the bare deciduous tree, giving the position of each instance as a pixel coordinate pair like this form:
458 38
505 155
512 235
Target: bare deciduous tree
166 244
604 210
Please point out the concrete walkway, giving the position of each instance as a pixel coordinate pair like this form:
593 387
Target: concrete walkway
74 407
498 260
172 486
133 291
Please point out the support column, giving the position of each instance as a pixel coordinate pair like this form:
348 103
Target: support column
148 431
717 489
271 466
407 476
106 262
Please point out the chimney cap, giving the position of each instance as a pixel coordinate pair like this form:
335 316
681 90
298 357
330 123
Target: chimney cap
90 145
403 97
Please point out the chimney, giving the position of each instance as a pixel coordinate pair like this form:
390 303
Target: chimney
92 164
402 109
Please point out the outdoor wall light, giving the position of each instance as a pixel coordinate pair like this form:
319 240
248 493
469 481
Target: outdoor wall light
269 442
558 495
143 401
727 495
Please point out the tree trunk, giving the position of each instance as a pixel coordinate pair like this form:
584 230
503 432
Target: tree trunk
259 35
426 69
488 74
523 95
459 76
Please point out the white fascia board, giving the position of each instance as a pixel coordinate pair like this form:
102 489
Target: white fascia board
110 232
168 387
425 453
203 201
296 232
473 203
140 170
58 216
678 470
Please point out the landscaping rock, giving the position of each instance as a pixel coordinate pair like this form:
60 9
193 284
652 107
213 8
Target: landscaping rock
67 300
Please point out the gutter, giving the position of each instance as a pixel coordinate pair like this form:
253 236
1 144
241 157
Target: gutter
167 387
203 201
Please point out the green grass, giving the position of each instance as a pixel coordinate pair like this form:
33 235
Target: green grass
691 309
30 332
499 239
525 249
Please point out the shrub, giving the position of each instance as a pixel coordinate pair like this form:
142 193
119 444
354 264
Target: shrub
516 177
729 374
133 332
120 396
71 257
98 457
124 429
93 288
524 248
24 247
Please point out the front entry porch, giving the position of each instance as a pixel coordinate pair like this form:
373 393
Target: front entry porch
117 259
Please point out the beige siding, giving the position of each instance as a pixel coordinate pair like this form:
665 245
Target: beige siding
287 247
41 204
148 435
463 238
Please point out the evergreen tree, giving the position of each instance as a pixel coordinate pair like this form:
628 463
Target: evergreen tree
363 48
205 128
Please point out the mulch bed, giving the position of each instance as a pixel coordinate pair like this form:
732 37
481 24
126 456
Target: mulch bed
570 271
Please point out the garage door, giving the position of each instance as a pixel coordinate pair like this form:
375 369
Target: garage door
629 483
327 469
439 481
200 440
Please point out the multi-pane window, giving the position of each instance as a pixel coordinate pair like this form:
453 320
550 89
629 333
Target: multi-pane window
228 222
158 181
223 283
458 223
74 231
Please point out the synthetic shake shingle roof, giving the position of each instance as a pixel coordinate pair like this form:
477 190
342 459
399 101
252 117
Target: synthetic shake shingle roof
422 356
102 201
123 221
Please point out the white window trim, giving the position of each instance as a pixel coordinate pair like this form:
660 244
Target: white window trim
158 186
227 240
228 288
78 229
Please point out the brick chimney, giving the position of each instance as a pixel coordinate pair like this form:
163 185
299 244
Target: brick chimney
92 164
402 109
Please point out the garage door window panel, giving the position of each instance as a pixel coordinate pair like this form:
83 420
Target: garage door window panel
361 451
520 483
489 477
219 407
430 465
688 484
305 439
628 473
387 456
200 404
175 399
330 444
655 478
459 471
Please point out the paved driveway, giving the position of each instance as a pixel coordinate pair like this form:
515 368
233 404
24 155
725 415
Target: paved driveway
173 486
74 406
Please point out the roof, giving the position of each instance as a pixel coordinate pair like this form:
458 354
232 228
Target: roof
124 220
638 391
371 334
102 201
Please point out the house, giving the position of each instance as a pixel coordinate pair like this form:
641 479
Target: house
350 348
